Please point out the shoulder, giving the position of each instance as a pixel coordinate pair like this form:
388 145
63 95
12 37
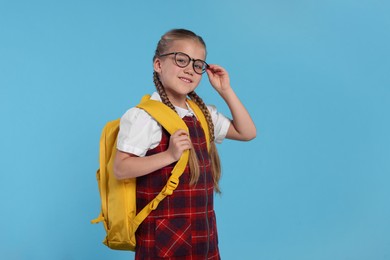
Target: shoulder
138 132
215 114
136 115
137 121
212 109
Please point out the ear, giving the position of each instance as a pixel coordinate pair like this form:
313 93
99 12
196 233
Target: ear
157 65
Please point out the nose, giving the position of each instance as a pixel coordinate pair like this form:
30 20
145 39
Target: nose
189 69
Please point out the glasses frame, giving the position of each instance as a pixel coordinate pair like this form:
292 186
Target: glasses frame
190 59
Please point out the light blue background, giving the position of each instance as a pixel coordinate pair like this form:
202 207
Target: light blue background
315 182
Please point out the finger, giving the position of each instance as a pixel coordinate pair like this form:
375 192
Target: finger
181 141
211 69
180 136
185 146
209 73
215 67
179 132
181 144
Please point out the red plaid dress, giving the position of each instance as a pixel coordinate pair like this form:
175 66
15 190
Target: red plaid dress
184 225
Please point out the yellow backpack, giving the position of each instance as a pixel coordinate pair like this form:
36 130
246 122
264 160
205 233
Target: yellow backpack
118 197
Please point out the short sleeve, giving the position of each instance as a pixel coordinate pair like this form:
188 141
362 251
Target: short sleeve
221 124
138 132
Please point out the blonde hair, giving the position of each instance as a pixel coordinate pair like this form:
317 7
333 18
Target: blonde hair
162 46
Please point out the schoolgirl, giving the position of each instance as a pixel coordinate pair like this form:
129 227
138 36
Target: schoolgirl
184 224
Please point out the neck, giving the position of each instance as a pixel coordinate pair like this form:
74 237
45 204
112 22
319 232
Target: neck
178 100
181 104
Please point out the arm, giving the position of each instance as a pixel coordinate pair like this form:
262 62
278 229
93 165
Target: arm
131 166
242 127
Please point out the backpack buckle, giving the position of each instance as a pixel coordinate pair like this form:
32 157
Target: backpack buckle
172 184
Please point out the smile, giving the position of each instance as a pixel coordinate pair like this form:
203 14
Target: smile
185 80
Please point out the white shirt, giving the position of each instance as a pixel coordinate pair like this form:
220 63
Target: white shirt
139 132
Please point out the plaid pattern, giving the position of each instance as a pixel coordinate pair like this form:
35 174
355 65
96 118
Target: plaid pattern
184 225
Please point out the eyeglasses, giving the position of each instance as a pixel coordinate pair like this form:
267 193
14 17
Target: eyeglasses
182 60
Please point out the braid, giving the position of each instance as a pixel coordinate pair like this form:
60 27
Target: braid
194 97
215 161
161 91
193 159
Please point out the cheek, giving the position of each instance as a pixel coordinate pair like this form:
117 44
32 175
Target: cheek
173 71
168 73
197 80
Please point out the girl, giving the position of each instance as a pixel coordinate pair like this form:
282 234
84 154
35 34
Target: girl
184 225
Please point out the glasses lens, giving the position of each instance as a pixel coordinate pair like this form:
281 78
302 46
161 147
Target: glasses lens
199 66
182 60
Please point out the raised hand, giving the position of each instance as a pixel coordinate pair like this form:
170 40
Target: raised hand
218 77
242 126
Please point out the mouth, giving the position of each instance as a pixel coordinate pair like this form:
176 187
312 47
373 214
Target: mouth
187 80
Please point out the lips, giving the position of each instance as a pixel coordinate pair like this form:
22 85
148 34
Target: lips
187 80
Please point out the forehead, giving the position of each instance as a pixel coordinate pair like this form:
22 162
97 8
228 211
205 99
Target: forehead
191 47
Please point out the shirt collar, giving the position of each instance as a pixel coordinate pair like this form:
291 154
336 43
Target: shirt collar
182 112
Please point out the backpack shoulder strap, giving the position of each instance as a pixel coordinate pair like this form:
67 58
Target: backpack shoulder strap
171 122
163 114
154 108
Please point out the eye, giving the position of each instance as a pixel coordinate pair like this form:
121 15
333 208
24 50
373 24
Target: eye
182 60
199 65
